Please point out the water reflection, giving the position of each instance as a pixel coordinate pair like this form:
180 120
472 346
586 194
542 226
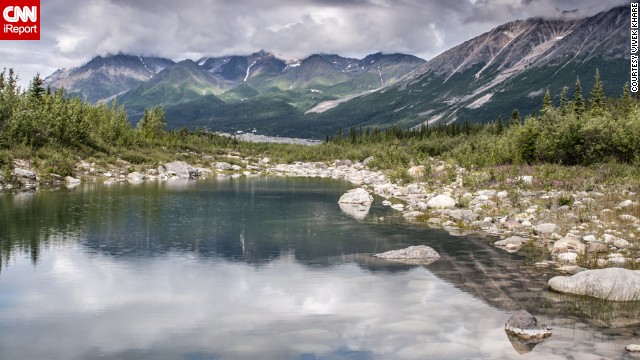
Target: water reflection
281 310
260 268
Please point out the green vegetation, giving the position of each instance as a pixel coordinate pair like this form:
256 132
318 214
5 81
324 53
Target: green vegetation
596 131
56 131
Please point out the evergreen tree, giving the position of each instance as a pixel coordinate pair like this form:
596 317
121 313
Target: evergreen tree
564 103
578 100
152 124
515 117
598 98
627 102
36 88
546 102
499 126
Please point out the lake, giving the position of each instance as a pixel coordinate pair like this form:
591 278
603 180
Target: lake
262 268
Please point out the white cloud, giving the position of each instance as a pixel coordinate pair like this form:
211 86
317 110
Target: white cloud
73 32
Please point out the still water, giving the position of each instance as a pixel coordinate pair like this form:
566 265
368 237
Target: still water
262 268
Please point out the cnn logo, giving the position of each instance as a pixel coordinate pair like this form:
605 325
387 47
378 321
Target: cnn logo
20 20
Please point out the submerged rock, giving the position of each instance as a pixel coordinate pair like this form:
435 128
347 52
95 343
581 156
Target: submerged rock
633 348
511 244
420 254
614 284
525 328
356 196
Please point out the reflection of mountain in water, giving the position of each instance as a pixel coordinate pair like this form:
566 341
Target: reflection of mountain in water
255 221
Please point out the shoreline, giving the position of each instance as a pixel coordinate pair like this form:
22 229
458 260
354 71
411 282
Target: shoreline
571 231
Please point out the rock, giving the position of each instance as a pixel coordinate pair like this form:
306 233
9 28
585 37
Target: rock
568 257
568 244
463 215
511 244
367 161
628 218
356 196
342 163
633 348
621 243
70 180
512 225
441 202
24 173
597 247
182 169
135 177
412 215
524 326
626 204
526 179
416 171
223 166
398 207
589 238
608 238
546 228
571 269
419 254
236 167
614 284
110 181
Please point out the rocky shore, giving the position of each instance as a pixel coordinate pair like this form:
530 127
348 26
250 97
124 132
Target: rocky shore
574 230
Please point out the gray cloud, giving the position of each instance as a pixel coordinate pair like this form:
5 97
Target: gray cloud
73 32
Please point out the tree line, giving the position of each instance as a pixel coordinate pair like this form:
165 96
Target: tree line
577 131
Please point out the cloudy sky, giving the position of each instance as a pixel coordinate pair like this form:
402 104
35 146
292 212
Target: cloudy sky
72 32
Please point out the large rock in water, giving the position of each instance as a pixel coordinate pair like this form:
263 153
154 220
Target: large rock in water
614 284
182 169
441 202
525 326
420 254
524 331
356 196
356 203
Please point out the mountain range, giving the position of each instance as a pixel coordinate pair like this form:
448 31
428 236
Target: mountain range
507 68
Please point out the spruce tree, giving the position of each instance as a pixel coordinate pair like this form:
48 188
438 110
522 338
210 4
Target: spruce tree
546 102
152 124
499 126
36 88
515 117
578 100
627 102
564 103
597 96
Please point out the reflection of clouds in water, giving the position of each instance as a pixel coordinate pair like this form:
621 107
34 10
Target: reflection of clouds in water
87 304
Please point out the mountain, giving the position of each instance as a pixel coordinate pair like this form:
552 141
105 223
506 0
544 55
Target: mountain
509 67
506 68
259 83
102 78
176 84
